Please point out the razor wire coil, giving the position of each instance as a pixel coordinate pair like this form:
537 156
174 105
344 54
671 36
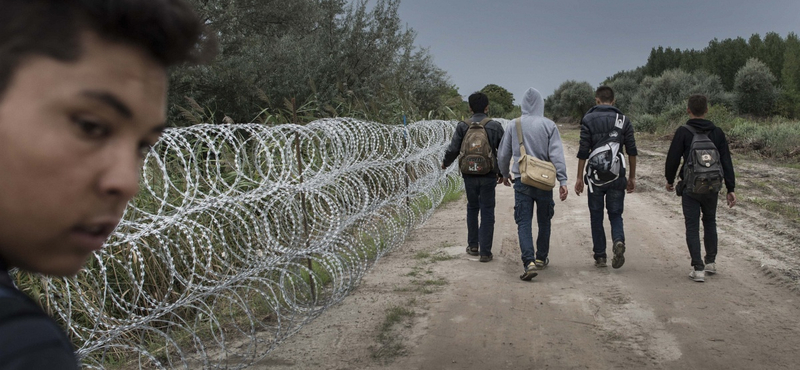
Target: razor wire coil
242 234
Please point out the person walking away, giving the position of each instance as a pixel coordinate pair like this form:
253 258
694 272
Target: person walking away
606 136
541 139
83 91
706 165
475 143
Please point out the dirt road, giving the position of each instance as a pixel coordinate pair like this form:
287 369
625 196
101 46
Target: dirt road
419 309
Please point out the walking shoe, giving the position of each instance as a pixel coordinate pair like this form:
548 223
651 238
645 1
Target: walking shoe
472 250
698 276
530 272
600 262
540 265
619 255
711 268
486 258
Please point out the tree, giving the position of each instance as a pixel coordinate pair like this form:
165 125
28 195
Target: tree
755 89
790 81
570 100
774 50
323 54
501 101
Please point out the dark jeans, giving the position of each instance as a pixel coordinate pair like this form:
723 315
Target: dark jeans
480 199
524 199
614 201
693 204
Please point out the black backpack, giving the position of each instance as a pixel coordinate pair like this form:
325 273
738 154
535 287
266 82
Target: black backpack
702 170
606 161
476 156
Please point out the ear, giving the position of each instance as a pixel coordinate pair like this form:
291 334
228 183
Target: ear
597 101
486 110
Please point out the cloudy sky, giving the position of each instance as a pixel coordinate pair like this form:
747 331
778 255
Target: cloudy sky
531 43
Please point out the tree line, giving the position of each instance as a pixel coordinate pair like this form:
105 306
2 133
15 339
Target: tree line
758 77
299 60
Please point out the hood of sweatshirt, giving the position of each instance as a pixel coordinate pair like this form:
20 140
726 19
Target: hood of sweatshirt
533 103
700 124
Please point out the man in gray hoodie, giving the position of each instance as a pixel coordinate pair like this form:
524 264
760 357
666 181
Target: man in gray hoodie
541 140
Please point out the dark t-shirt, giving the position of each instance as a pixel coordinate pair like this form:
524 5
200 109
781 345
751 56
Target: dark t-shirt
29 339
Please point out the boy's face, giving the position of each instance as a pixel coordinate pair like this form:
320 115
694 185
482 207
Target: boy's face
72 139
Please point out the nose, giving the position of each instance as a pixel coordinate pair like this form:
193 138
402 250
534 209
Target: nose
121 176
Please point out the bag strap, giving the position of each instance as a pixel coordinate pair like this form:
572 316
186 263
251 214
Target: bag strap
520 139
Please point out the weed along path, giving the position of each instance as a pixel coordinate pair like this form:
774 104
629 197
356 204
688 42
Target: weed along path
428 305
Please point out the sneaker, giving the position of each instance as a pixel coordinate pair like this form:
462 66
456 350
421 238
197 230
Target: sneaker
619 255
486 258
698 276
711 268
540 264
600 262
472 250
530 272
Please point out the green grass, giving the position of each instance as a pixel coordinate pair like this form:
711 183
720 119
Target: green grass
787 210
390 343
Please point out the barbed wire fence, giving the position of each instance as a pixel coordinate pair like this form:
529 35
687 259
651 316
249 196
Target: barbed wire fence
242 234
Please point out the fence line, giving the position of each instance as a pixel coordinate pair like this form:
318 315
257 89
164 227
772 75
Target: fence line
242 234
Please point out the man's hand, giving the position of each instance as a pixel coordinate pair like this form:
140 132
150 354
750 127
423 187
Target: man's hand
670 187
631 185
578 187
507 181
731 199
563 192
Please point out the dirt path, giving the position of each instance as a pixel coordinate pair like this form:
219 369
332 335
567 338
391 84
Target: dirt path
420 310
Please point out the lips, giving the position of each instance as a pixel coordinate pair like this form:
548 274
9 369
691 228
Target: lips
91 237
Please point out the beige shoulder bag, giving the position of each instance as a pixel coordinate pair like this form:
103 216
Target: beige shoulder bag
534 171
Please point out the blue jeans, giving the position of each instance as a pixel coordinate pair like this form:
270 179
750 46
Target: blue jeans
614 201
524 198
693 204
480 199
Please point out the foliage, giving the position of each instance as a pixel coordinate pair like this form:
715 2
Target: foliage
673 88
755 89
501 101
328 55
572 99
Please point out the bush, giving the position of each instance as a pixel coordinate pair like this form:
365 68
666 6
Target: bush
673 87
755 89
571 99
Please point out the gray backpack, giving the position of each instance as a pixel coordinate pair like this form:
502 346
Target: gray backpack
702 170
476 156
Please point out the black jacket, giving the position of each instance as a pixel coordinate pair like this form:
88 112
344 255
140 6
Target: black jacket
682 142
494 131
29 339
595 126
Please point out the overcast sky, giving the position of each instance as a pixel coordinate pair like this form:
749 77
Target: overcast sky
531 43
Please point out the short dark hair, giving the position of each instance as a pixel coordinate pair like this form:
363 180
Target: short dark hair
605 94
478 102
698 105
168 30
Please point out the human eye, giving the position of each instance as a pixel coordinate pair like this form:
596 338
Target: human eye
92 128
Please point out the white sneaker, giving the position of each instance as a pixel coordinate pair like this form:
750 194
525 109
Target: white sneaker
711 268
698 276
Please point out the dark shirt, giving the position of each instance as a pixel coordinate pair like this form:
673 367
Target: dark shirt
596 124
494 132
682 142
29 339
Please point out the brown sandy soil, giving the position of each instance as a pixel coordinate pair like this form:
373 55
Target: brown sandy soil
462 314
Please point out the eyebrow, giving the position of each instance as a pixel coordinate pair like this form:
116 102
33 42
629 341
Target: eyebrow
112 101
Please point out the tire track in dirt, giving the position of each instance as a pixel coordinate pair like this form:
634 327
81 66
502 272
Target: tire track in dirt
648 314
